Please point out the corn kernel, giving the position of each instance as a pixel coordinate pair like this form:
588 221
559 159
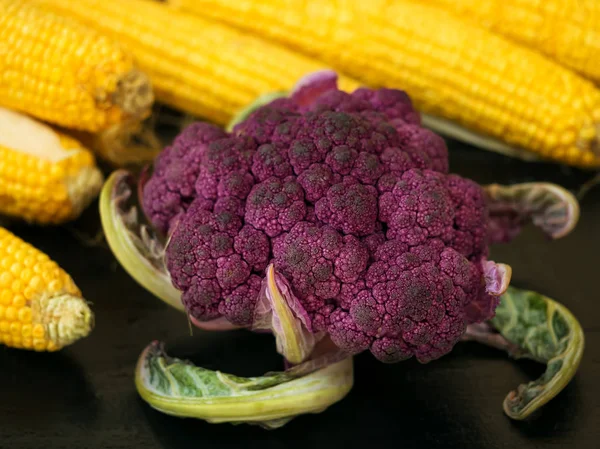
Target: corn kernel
26 275
26 330
29 293
6 297
35 282
38 330
17 286
5 279
54 286
19 301
25 314
15 328
11 313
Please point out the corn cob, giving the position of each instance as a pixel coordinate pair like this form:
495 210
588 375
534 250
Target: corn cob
60 71
40 306
45 177
199 66
470 83
565 30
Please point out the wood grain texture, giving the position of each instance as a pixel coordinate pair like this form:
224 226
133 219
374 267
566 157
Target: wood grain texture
84 396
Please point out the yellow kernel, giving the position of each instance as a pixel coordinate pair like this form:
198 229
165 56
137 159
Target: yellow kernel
54 286
8 339
48 276
26 274
35 282
57 171
26 330
5 279
25 314
588 158
11 313
39 345
6 297
19 301
15 328
17 286
15 269
4 326
52 346
38 330
2 312
59 195
588 132
27 343
29 293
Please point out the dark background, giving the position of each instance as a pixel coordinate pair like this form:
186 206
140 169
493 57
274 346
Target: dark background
84 396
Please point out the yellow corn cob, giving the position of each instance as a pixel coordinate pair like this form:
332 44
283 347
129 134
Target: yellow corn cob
60 71
45 177
565 30
201 67
40 306
504 97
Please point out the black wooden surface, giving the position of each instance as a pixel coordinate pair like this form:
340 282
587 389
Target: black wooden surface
84 396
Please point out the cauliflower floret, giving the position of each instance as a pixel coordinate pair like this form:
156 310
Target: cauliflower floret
350 209
210 257
275 205
415 303
223 159
170 190
316 260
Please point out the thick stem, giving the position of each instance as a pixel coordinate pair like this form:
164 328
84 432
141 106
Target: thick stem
219 324
485 334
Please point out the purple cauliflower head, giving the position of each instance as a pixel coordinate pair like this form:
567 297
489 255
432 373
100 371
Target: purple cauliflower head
349 200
